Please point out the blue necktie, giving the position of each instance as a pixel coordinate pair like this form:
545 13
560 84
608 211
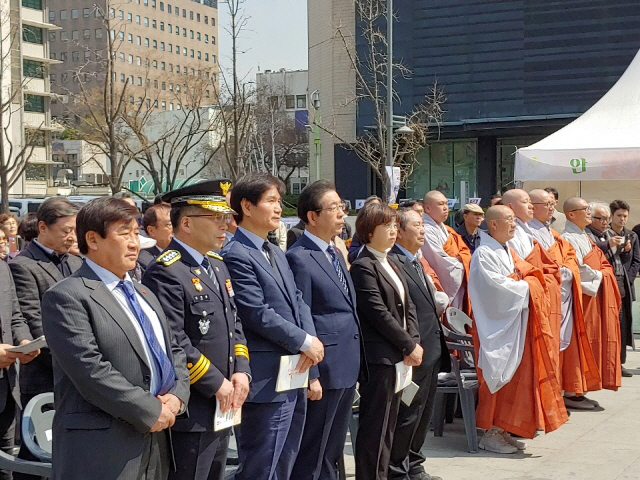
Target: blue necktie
167 373
336 265
207 266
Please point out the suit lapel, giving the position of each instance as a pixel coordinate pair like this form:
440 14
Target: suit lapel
415 278
196 269
44 261
103 297
153 303
321 258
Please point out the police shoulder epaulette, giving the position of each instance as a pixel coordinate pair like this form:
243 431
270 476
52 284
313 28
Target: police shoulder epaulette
169 257
214 255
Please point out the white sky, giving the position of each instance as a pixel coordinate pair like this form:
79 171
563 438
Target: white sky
275 36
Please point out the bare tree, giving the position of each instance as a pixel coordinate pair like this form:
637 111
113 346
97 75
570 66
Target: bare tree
168 142
235 97
371 73
17 139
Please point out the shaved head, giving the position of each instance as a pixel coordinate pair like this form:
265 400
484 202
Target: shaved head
435 205
577 211
518 200
501 223
543 204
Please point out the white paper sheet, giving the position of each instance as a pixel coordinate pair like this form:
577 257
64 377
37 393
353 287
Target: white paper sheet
409 393
226 420
288 378
403 376
32 346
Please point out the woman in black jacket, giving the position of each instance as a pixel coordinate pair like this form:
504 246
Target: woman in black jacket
390 332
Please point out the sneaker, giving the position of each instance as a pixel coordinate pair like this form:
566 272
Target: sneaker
578 403
493 441
520 445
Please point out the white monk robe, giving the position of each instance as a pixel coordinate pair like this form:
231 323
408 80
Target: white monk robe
449 269
590 278
521 242
542 233
501 311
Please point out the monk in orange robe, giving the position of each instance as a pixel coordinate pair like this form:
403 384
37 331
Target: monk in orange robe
600 294
519 392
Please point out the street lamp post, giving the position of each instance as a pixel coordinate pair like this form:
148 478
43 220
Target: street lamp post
389 156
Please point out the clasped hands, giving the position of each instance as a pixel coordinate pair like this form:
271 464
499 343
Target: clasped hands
313 356
8 358
414 359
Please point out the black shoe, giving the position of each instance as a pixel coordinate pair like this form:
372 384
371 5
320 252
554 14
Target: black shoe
626 373
424 476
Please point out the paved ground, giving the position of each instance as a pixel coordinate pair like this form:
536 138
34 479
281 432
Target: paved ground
594 445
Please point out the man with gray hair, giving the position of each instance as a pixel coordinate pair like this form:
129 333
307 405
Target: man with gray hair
43 263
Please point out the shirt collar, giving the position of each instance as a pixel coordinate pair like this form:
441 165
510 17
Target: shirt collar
571 227
257 240
406 252
196 255
46 250
322 245
536 224
109 278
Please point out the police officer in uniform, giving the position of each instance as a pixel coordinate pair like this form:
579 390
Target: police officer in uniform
195 290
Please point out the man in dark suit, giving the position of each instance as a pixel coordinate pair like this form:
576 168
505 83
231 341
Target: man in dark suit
157 224
43 263
195 291
276 322
14 331
413 420
322 276
120 375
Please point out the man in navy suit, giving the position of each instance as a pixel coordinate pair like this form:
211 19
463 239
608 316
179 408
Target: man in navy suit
322 276
276 322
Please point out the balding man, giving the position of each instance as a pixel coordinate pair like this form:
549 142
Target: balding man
518 389
578 369
528 249
600 295
445 250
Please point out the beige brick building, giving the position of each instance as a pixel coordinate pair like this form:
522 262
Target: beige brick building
159 48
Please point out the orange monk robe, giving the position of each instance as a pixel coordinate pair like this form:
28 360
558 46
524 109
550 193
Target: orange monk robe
455 247
539 258
532 400
579 370
601 314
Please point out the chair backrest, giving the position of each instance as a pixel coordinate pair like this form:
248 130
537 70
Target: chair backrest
37 422
466 355
458 320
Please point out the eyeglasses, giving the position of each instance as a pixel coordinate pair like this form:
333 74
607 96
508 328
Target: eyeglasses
167 224
218 217
333 208
391 226
546 204
601 219
586 209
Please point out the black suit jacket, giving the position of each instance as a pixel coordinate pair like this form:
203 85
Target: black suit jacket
382 311
147 256
431 337
211 356
14 330
34 273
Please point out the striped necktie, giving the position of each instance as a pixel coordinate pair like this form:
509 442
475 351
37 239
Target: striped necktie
338 268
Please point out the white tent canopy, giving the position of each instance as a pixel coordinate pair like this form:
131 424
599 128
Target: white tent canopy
602 144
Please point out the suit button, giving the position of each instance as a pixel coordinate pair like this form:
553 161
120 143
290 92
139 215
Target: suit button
355 336
147 378
399 305
226 309
230 334
230 359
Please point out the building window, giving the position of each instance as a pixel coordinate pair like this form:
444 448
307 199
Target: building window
52 78
32 34
120 36
170 48
139 81
162 6
130 59
206 20
123 78
35 4
33 103
75 56
138 40
206 57
155 64
171 106
206 38
290 101
213 40
139 61
52 36
301 101
63 14
63 56
162 46
191 53
52 15
146 21
129 17
121 55
138 19
168 8
154 24
162 65
184 13
146 42
184 51
198 36
87 55
184 32
169 28
155 84
74 13
86 33
162 26
33 69
130 38
98 33
86 12
153 3
213 22
155 44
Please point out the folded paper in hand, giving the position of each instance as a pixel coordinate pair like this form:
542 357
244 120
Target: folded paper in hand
403 376
32 346
288 376
226 420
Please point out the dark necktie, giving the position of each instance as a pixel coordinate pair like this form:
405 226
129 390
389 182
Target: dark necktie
418 266
267 247
207 266
61 263
165 368
338 268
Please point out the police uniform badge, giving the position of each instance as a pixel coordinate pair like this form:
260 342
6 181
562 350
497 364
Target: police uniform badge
203 323
197 284
229 287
